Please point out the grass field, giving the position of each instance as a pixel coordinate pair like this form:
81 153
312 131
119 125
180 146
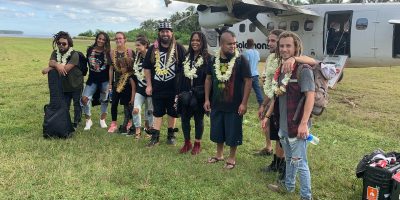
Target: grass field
97 165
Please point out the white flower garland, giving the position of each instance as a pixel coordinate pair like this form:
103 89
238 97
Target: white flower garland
62 59
280 90
217 65
138 73
164 71
270 68
191 72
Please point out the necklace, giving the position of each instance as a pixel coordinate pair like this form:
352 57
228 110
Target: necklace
191 72
272 64
227 70
114 58
139 73
164 71
280 89
123 81
62 59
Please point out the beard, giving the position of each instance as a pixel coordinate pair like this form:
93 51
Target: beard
63 50
165 40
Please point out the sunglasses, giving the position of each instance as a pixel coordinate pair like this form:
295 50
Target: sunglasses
62 44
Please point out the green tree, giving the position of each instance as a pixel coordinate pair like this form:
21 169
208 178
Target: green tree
88 33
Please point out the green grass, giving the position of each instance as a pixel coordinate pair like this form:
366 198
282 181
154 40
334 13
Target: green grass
97 165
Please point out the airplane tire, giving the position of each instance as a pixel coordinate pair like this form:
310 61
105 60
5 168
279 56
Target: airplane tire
341 77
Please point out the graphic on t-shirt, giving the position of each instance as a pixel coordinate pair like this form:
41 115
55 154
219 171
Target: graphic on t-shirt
225 90
141 83
96 62
171 68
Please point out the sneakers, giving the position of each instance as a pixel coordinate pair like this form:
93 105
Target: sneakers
89 124
113 127
155 138
273 167
196 149
122 129
186 147
103 123
278 187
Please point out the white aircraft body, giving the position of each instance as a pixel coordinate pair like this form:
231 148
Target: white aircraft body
358 35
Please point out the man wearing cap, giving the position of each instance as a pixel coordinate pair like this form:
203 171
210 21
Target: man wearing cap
162 62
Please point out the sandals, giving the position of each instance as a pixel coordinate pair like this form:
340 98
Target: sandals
264 152
229 165
214 160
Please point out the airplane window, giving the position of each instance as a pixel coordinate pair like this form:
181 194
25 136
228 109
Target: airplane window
242 28
282 25
270 26
252 27
308 25
362 24
294 26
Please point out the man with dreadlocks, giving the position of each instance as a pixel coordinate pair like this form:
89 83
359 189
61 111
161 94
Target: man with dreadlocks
65 60
162 62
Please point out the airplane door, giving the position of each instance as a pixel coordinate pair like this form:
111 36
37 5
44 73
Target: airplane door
363 34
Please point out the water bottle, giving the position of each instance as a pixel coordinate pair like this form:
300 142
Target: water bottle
312 139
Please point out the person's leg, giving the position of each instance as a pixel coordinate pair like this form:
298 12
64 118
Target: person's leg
199 129
68 99
104 103
217 135
172 116
86 102
257 89
114 111
299 160
234 136
185 122
76 96
149 112
136 113
127 116
159 112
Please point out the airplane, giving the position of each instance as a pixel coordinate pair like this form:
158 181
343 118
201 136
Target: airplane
347 34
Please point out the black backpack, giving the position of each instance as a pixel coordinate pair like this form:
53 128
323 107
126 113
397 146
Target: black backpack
82 63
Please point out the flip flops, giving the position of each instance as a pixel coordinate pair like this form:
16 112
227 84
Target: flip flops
214 160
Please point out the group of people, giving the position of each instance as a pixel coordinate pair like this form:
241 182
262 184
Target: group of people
189 84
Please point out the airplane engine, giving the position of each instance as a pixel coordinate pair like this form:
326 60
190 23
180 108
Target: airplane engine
213 17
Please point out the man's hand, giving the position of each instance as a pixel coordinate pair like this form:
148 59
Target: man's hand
61 69
302 131
207 106
46 70
288 65
260 112
264 123
242 109
149 90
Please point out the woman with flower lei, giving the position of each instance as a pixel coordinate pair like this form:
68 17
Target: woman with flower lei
97 82
114 74
142 44
192 85
126 90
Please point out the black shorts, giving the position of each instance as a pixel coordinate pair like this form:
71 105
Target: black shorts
226 127
273 128
164 105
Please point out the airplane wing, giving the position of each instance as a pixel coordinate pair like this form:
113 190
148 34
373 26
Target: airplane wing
244 8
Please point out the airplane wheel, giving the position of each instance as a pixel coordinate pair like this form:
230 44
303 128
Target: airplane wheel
341 77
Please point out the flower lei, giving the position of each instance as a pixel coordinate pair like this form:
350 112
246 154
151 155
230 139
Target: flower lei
280 90
191 72
62 59
122 81
272 64
114 59
226 70
138 73
164 71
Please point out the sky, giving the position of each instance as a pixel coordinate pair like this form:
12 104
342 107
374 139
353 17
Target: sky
46 17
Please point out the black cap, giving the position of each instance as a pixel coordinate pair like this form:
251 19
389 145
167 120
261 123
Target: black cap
164 25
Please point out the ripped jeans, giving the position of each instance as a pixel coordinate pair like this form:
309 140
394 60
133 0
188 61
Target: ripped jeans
296 161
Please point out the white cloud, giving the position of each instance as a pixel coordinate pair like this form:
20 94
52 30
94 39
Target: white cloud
21 14
115 19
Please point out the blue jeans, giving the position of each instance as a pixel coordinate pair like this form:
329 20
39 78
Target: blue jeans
148 114
89 91
257 89
296 161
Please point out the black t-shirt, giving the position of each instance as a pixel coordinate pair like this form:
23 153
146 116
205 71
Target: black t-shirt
140 84
227 96
99 66
185 84
164 85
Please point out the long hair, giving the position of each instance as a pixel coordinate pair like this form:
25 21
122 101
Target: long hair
125 62
276 32
143 41
204 47
64 35
107 46
298 46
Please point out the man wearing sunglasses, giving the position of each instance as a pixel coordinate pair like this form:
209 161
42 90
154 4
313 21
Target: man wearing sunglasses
65 60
